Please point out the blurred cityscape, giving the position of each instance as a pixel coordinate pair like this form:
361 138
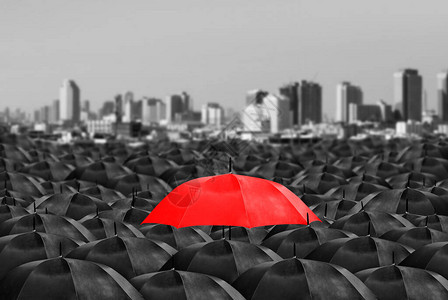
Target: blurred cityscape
291 114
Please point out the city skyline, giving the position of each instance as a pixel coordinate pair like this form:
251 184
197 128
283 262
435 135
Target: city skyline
265 45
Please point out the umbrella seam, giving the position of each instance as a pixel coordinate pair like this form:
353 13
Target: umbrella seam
244 201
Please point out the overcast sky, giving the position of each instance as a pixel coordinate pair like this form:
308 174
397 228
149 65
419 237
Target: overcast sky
215 50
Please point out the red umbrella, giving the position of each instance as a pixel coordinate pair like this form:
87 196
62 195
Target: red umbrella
230 199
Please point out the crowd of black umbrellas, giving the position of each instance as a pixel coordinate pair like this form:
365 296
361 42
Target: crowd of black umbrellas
70 222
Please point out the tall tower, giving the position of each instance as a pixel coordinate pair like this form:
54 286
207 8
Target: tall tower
442 95
408 95
128 103
346 94
69 96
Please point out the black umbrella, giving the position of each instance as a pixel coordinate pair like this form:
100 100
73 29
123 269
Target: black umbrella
412 180
21 183
415 237
10 211
126 184
73 205
103 228
300 279
175 237
369 179
10 165
374 223
14 153
223 259
356 191
181 156
236 233
398 282
56 187
432 257
49 224
350 162
247 162
178 175
16 198
381 169
319 182
281 169
103 193
48 170
21 248
76 160
129 256
132 215
333 210
100 172
273 230
438 167
180 285
150 165
360 253
64 278
134 201
301 241
404 200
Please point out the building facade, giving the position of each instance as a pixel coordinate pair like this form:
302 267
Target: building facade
442 95
346 94
70 105
408 95
153 111
212 114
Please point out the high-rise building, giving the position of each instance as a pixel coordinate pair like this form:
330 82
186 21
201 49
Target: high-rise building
408 95
212 114
305 100
54 112
127 107
346 93
268 113
153 111
107 109
86 106
118 108
177 104
442 95
44 114
69 97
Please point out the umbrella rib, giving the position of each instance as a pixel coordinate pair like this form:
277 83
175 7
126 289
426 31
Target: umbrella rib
244 201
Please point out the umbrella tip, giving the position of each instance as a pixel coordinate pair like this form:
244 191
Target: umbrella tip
34 224
393 258
325 211
294 250
230 165
307 219
368 229
60 249
362 206
407 205
426 221
34 206
115 228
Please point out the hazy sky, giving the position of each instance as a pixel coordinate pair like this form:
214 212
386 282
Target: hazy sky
215 50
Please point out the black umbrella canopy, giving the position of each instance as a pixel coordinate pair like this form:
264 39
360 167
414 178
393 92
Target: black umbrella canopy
246 162
52 187
415 237
435 221
103 228
180 285
64 278
21 183
432 257
103 193
10 165
273 230
356 191
49 224
16 198
78 184
18 249
369 179
14 153
127 184
319 182
418 150
404 200
134 201
333 210
301 241
10 211
300 279
181 156
356 254
129 256
315 199
398 282
381 169
374 223
412 180
438 167
150 165
73 205
281 169
48 170
76 160
350 162
178 175
236 233
175 237
223 259
100 172
132 215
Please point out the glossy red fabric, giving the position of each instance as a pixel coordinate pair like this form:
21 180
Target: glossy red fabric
233 200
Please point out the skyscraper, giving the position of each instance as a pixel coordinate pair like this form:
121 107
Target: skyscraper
442 95
346 94
69 97
153 111
177 104
118 108
54 112
408 95
128 103
212 114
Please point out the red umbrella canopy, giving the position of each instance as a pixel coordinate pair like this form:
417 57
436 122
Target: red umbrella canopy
233 200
